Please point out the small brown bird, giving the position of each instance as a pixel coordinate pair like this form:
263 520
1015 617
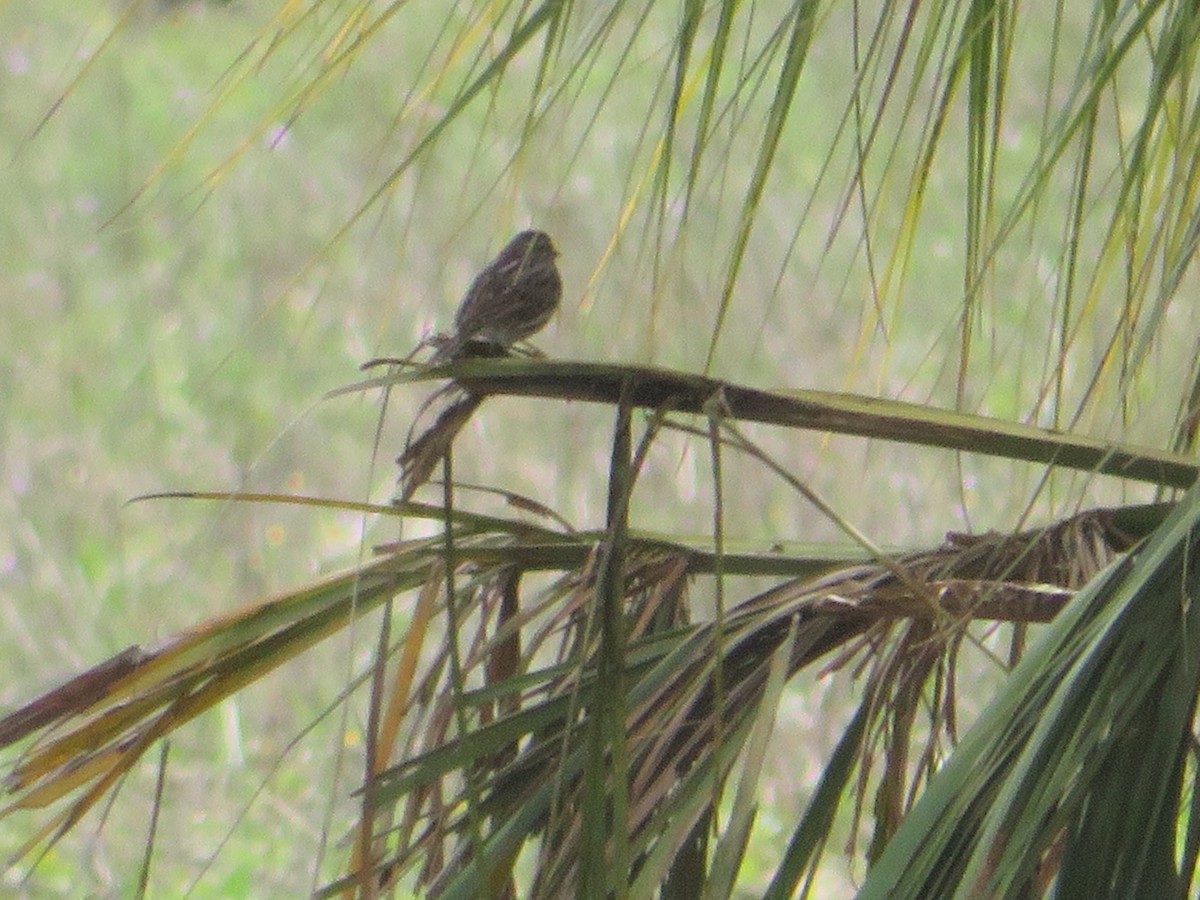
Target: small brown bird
511 299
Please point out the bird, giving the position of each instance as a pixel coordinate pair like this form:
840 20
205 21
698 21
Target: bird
511 299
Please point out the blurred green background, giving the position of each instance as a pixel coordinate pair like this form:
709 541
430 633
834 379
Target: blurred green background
175 303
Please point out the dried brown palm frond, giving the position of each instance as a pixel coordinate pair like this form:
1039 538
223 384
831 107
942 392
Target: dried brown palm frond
693 694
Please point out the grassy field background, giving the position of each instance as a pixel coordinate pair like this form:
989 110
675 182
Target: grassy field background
182 336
